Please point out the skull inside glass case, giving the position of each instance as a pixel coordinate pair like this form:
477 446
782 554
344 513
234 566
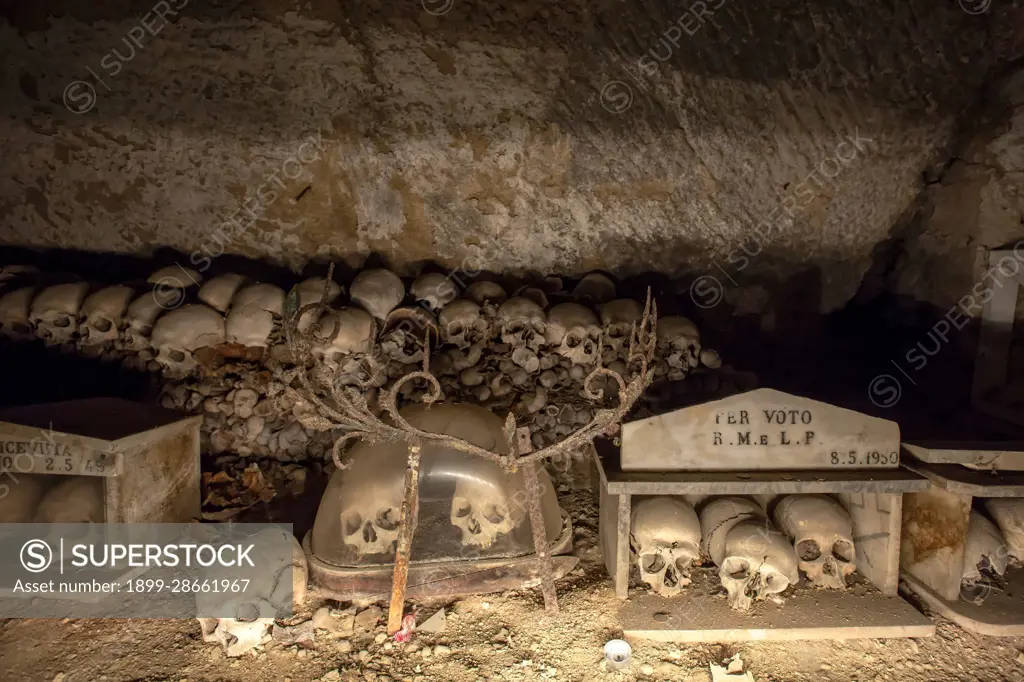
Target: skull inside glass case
469 508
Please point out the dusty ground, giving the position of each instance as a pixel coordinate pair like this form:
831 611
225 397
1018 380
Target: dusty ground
497 637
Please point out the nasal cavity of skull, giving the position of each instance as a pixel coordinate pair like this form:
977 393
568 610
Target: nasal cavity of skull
573 340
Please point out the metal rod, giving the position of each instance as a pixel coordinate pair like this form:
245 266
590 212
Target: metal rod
407 527
540 536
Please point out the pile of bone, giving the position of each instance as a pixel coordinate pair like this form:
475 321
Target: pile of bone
994 543
33 498
530 351
757 558
247 415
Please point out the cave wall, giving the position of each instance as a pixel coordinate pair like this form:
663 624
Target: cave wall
748 146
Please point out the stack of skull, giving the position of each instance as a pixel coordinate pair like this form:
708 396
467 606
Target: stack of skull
529 352
756 557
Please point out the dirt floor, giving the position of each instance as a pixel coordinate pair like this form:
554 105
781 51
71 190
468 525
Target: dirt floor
495 637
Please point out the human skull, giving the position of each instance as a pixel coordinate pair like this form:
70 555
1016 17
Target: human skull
434 289
1008 513
985 554
175 277
618 318
664 535
179 333
266 596
575 331
378 292
218 292
595 287
486 292
308 292
371 515
256 312
521 322
15 314
141 315
482 511
55 312
718 517
759 562
238 635
462 324
103 316
678 342
406 334
822 534
21 499
356 334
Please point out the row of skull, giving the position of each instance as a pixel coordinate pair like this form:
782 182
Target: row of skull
230 309
756 556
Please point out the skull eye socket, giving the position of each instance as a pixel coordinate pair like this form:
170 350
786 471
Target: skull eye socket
844 551
462 509
176 355
351 523
455 328
493 514
682 565
808 550
652 563
572 340
738 568
514 327
62 322
387 518
102 325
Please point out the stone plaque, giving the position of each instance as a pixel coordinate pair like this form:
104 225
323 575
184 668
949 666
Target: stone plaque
758 430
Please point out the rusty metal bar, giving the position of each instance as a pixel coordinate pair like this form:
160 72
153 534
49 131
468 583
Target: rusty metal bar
540 536
407 527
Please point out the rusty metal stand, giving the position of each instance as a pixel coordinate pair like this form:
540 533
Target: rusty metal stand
540 540
407 527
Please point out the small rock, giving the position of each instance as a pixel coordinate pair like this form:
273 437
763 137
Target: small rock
913 646
379 639
331 676
299 634
245 400
59 677
668 670
426 652
1020 658
344 646
735 665
435 624
442 650
367 619
647 669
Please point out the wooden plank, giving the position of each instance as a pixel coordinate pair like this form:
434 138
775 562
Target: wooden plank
700 615
971 482
1001 614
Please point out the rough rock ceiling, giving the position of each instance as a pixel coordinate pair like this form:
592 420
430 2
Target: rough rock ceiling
517 137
